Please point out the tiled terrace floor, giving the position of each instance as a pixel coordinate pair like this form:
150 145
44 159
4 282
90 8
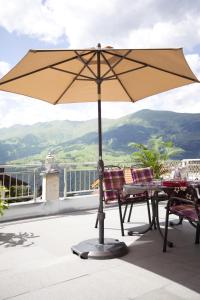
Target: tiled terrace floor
36 261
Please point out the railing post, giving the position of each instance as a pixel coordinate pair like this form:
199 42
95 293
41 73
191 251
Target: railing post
50 185
50 181
65 183
34 185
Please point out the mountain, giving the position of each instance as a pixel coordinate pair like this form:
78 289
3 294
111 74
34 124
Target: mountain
182 128
53 132
77 140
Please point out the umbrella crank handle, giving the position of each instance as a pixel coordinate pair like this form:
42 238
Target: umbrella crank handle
101 168
101 216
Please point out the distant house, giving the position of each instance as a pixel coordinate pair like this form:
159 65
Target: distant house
15 187
8 180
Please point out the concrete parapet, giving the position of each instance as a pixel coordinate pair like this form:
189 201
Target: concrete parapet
50 185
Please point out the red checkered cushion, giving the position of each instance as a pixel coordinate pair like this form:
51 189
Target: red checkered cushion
175 183
187 211
113 181
142 175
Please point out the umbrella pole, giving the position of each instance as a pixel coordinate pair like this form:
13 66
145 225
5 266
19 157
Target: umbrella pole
101 248
101 214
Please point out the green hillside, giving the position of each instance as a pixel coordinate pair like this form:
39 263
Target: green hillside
52 132
77 141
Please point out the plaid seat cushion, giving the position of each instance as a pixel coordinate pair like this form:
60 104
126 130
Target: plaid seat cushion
142 175
113 181
185 210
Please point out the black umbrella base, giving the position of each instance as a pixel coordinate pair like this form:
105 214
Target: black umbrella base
92 249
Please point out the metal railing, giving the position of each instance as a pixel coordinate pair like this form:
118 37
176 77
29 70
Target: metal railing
19 183
192 171
77 178
23 183
80 178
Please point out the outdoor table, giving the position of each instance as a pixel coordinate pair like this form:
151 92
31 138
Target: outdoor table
153 188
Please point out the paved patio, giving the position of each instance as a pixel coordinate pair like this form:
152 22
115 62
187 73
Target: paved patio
36 261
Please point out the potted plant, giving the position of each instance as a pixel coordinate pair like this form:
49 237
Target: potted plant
154 154
3 203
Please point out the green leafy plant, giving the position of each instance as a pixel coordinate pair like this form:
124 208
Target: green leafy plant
154 154
3 203
17 191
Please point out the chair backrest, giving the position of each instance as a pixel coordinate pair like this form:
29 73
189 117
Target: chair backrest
112 180
128 175
142 174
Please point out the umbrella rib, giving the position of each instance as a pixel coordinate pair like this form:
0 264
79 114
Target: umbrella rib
77 75
149 65
72 73
43 68
121 73
85 79
117 63
111 68
86 63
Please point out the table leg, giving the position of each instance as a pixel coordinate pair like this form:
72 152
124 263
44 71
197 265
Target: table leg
155 219
156 200
152 223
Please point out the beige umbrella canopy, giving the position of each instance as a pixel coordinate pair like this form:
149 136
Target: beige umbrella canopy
98 74
62 76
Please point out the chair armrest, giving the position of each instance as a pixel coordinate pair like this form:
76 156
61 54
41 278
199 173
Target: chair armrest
181 200
117 192
186 201
113 190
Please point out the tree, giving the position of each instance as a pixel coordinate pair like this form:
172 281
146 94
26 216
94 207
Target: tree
154 154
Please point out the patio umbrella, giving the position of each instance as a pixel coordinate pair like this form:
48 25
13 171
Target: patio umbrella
98 74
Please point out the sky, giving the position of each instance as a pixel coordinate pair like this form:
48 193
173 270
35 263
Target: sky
55 24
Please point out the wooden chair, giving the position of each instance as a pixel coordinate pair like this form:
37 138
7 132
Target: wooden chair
138 175
113 182
186 209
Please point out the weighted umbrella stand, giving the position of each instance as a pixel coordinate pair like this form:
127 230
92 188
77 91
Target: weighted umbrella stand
100 248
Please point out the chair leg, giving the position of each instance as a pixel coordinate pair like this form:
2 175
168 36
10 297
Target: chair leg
97 221
153 207
120 217
124 214
166 230
149 212
197 233
130 212
180 221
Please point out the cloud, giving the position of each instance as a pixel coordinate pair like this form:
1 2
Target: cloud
17 109
31 18
167 34
4 68
194 62
147 23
